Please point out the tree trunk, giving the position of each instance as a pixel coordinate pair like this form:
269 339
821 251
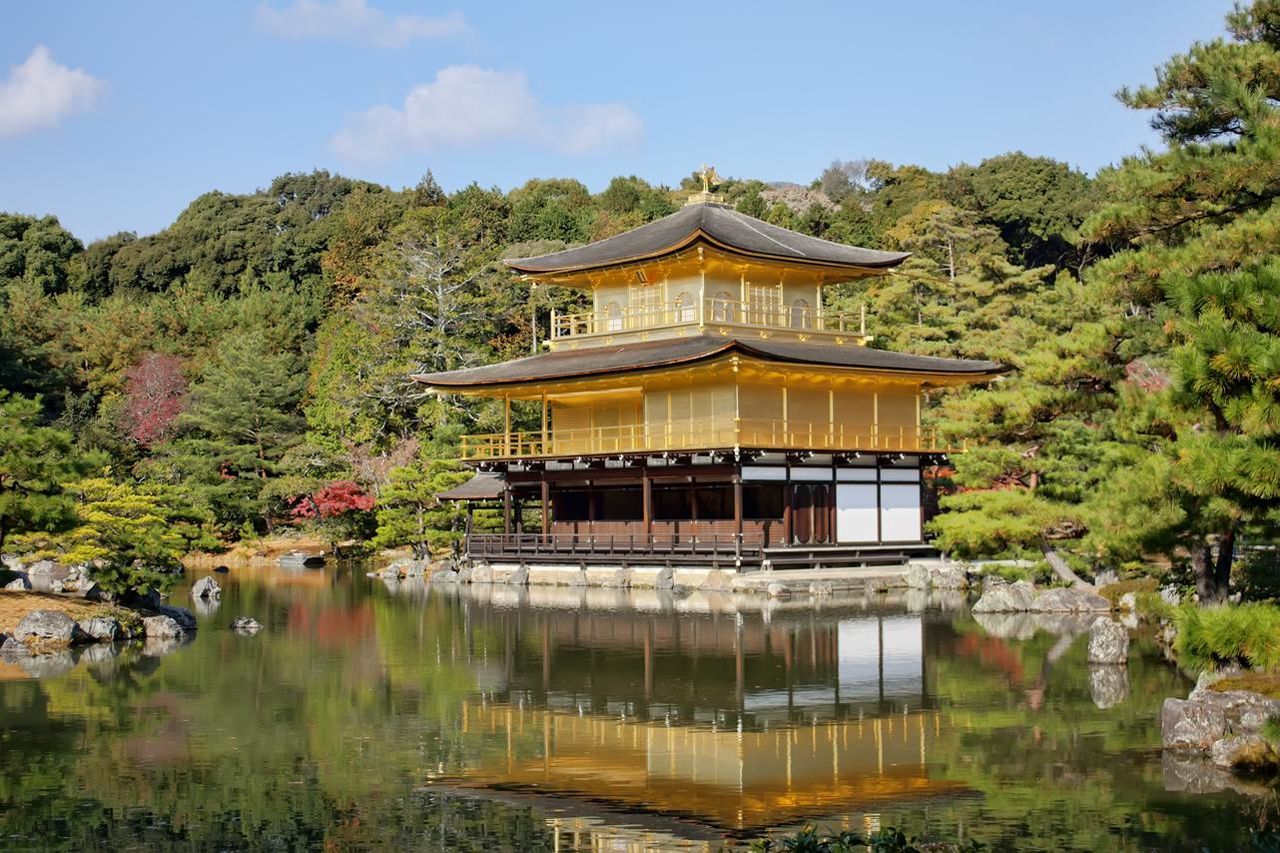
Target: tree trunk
1060 567
1206 582
1222 566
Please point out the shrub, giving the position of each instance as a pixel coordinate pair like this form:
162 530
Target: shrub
1257 576
1112 592
887 840
1247 635
1152 606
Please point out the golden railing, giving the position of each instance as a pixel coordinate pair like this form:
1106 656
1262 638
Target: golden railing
733 312
661 437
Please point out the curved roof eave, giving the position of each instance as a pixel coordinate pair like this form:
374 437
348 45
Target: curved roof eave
687 351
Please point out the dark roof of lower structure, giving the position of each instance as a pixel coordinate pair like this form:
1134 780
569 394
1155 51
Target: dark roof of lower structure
484 486
647 355
718 225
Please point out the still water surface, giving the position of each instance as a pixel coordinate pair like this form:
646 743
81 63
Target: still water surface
401 717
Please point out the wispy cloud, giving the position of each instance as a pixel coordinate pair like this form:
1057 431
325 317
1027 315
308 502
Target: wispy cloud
468 104
355 20
40 93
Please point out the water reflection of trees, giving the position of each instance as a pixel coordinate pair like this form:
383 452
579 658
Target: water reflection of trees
341 720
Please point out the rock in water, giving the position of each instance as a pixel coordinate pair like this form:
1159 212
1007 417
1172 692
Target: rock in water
11 649
666 578
1007 598
222 570
778 590
246 625
820 589
49 626
1108 642
917 576
206 587
520 577
19 584
162 628
482 573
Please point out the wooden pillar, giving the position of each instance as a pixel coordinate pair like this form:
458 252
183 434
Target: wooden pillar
506 424
646 500
545 436
506 508
737 514
788 503
546 507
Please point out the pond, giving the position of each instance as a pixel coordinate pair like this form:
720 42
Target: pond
373 716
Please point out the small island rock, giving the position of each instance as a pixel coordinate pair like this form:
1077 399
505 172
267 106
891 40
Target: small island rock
1108 642
206 587
246 625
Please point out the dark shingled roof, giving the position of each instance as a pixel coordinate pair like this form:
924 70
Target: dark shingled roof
717 225
483 486
629 357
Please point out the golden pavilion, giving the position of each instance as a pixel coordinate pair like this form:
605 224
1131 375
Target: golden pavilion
707 410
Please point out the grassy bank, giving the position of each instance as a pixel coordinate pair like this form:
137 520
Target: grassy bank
15 605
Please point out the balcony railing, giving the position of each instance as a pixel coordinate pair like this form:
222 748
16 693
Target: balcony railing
664 437
727 312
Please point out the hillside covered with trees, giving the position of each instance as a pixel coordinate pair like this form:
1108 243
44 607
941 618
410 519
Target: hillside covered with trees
247 369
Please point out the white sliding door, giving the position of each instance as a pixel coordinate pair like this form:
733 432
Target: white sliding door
856 512
900 512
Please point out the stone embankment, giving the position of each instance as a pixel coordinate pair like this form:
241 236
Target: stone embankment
1214 732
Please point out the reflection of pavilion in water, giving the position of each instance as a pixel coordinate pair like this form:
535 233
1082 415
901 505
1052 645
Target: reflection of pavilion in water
724 669
738 723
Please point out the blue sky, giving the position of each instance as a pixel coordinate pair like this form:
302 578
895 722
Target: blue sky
114 116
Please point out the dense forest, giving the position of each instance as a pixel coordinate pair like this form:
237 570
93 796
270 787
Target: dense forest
247 370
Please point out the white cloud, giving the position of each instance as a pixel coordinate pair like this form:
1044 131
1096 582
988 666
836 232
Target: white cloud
40 93
355 20
468 104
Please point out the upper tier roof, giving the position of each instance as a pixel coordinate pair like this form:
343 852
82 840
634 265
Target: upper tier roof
630 357
718 226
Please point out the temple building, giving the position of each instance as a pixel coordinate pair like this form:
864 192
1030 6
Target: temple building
707 409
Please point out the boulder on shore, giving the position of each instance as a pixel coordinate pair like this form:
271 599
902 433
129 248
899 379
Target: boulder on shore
1108 642
19 584
1075 599
104 629
184 617
49 626
206 587
620 578
1007 598
949 577
1243 752
778 590
162 628
520 577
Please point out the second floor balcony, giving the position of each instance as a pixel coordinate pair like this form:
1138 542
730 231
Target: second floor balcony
760 318
716 434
